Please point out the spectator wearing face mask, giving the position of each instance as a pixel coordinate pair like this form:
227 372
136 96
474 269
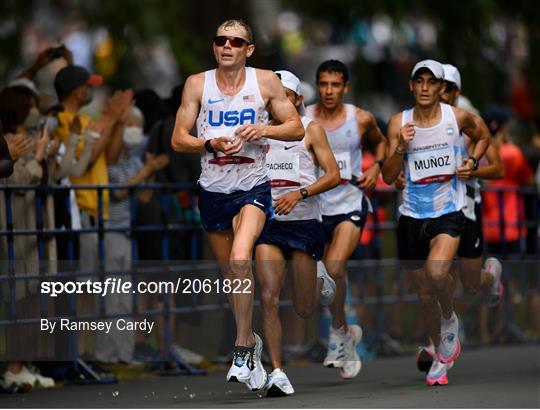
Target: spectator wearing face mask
118 346
27 143
74 86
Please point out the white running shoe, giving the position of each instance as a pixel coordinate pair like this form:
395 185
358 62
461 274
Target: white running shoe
425 356
23 379
352 364
437 373
41 381
494 268
328 290
278 384
258 375
247 367
450 347
336 345
241 364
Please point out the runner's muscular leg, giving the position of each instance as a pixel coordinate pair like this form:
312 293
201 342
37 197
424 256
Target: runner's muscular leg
221 244
304 276
470 273
344 241
247 226
443 248
428 303
473 276
270 272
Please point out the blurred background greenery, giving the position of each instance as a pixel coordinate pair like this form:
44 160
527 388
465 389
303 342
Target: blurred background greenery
137 43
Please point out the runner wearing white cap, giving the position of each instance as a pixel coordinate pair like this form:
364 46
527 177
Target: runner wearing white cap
345 207
296 232
229 107
472 275
471 247
425 143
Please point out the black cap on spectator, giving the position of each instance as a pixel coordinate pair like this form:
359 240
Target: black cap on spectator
73 76
495 118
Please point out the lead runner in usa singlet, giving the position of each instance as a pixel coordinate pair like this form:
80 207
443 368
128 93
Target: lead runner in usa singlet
228 106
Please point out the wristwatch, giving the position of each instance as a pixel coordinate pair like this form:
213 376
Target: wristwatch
475 163
209 148
304 192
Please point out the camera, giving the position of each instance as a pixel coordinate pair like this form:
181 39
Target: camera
55 53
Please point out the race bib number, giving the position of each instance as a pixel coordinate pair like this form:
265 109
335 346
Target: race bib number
426 167
283 168
343 160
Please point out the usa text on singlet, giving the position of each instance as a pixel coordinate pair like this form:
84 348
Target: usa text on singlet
290 167
345 144
220 116
432 188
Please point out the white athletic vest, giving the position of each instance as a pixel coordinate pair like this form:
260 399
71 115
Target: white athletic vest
220 116
472 187
345 144
432 188
290 167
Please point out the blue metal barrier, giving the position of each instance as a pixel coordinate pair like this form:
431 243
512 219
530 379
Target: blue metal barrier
186 224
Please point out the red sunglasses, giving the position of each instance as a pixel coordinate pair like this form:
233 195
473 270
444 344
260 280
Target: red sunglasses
220 41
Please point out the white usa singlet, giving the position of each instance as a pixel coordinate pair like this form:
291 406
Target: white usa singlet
432 188
345 144
290 167
220 116
472 188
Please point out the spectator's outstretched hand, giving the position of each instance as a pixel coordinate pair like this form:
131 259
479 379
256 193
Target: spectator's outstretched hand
42 59
18 145
45 57
66 54
118 105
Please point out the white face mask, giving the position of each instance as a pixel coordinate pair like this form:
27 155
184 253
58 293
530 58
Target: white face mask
132 137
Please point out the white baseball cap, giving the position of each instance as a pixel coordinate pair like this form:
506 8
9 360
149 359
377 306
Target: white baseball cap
290 81
293 83
451 74
435 67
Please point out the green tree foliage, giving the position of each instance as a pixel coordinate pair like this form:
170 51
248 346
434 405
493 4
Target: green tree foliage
463 33
189 26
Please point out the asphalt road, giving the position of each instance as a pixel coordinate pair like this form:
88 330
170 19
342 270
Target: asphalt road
501 377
